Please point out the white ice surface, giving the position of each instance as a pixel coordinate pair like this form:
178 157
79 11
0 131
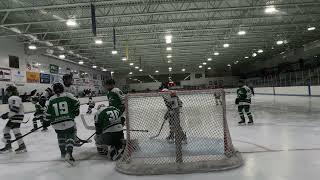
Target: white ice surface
283 144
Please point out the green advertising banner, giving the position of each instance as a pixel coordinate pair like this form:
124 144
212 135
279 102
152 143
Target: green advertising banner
54 69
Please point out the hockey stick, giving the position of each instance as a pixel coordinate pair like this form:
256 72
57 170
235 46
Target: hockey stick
10 142
94 128
152 137
85 123
87 140
25 122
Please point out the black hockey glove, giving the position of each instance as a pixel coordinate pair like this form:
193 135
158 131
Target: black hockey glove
237 101
5 116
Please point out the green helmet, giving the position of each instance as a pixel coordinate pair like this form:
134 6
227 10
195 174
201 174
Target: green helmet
12 91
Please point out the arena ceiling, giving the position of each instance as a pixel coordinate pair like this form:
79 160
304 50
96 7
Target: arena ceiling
199 29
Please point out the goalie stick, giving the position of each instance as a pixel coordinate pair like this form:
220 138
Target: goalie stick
152 137
94 128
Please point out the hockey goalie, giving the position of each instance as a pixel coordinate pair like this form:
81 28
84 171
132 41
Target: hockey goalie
109 132
173 104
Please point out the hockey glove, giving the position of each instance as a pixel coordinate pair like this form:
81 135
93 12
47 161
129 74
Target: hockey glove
5 116
237 101
46 124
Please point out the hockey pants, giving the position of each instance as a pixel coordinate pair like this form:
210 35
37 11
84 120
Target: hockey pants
66 140
15 127
246 108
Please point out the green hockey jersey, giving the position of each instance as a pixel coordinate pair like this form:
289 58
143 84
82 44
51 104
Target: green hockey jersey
116 99
244 95
107 119
61 111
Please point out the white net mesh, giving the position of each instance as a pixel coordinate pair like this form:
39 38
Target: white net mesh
186 137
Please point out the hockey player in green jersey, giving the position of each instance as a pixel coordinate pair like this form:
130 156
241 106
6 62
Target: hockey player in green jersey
109 132
62 108
243 101
115 97
40 106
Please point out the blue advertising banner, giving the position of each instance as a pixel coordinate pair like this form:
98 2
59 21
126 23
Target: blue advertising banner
44 78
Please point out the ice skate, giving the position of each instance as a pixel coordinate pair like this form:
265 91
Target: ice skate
170 138
35 128
69 159
6 149
21 149
44 130
242 123
117 154
184 139
250 123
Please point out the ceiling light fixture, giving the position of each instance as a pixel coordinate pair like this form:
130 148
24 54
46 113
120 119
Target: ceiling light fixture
131 64
204 63
71 22
114 52
98 41
140 70
209 68
280 42
32 47
226 45
130 73
169 48
169 56
124 59
270 9
200 66
311 28
216 53
209 59
62 56
156 71
254 54
260 51
94 66
183 70
242 33
137 67
81 62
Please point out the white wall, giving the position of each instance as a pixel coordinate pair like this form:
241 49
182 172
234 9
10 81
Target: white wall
263 90
144 86
12 47
227 81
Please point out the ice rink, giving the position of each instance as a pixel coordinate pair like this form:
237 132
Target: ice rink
283 144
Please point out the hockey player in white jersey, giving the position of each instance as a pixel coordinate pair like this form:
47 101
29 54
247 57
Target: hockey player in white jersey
15 116
217 97
91 105
68 84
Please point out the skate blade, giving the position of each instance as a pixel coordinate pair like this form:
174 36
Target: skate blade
22 151
242 124
71 163
250 124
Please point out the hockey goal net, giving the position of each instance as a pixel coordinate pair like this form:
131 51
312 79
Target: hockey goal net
201 141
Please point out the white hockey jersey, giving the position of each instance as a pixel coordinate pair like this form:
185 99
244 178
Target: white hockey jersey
16 109
71 89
